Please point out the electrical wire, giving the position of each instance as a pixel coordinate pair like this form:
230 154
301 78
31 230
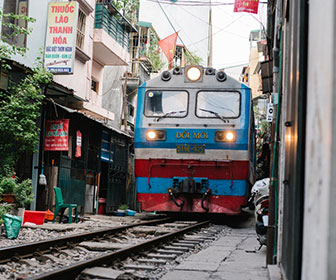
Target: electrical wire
186 33
195 3
174 29
217 31
236 34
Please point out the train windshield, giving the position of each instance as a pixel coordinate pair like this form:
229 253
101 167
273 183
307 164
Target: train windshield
218 104
160 103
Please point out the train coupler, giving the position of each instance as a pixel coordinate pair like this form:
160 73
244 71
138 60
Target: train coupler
205 195
172 196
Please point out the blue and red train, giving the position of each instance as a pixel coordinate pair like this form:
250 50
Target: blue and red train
194 142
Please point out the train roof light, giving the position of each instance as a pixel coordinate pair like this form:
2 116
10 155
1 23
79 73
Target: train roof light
210 71
194 73
177 71
166 76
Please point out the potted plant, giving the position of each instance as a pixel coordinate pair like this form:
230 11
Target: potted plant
7 188
122 210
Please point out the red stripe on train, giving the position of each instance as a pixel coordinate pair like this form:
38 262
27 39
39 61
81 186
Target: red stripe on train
220 170
217 204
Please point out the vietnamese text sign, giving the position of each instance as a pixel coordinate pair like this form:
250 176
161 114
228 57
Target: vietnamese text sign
56 135
248 6
61 37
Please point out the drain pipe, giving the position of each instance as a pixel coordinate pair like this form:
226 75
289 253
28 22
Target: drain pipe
273 191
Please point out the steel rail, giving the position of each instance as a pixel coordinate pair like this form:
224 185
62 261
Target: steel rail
26 250
72 271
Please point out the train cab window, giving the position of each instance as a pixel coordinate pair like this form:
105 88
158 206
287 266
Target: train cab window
166 103
218 104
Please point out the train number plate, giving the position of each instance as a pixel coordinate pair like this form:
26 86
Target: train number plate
190 149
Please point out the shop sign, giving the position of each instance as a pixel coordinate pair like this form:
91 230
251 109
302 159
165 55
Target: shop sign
78 144
247 6
60 43
56 135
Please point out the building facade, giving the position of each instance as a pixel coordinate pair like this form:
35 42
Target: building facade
95 162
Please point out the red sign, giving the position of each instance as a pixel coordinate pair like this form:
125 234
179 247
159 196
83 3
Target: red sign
247 6
56 135
78 144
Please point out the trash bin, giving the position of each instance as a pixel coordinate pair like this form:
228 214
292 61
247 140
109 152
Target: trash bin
101 205
12 225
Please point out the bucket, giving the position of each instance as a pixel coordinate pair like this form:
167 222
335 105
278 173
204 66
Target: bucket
130 212
12 225
49 215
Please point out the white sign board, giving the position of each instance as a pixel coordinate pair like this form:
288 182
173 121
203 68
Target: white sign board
60 43
269 112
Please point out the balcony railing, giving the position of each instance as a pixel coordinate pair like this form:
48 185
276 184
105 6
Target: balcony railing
112 25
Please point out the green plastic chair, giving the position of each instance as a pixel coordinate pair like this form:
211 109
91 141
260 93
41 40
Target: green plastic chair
60 206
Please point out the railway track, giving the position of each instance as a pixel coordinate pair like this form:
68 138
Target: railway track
66 258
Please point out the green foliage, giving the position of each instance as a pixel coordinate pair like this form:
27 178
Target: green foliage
192 59
123 207
128 8
154 54
4 209
19 104
7 185
23 193
8 22
19 110
263 136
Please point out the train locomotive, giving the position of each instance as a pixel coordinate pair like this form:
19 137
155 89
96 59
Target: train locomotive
194 142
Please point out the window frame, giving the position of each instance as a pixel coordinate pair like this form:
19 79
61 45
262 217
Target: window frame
96 90
169 116
217 90
80 35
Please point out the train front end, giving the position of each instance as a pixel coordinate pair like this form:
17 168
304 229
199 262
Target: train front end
193 142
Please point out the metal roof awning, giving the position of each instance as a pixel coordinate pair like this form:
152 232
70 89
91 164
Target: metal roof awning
145 24
58 92
92 116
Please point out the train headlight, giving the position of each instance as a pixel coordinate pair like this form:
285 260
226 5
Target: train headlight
194 73
225 136
155 135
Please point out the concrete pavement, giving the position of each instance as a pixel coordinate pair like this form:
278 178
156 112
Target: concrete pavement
232 257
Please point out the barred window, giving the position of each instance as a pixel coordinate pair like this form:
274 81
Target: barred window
94 85
81 29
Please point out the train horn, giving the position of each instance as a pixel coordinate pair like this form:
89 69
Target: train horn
221 76
166 76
